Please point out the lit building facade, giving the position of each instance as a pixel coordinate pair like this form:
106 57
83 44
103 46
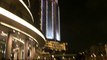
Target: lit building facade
50 19
19 39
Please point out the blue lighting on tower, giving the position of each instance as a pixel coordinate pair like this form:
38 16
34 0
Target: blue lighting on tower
50 19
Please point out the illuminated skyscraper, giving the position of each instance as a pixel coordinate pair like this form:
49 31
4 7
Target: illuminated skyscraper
50 19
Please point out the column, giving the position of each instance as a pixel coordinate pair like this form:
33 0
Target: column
8 46
20 53
32 53
15 56
26 50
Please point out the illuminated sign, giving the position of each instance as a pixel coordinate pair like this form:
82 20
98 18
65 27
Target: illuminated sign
53 45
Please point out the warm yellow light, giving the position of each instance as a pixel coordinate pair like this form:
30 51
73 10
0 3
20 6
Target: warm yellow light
3 33
18 40
20 21
7 25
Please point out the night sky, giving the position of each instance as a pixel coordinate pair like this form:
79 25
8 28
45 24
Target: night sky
83 23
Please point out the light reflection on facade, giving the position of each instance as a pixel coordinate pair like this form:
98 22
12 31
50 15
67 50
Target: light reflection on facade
50 14
49 21
27 8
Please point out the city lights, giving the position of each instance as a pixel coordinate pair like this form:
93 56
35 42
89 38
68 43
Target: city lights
21 21
17 30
